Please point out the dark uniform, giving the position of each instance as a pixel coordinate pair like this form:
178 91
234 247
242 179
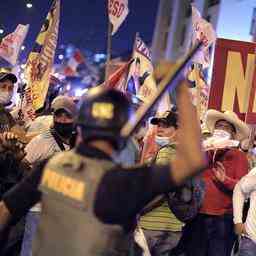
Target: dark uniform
110 198
69 185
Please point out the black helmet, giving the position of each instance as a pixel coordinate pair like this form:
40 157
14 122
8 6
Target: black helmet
102 114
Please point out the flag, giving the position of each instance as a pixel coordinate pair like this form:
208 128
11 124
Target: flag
140 82
200 93
40 63
117 11
118 78
73 63
202 31
11 44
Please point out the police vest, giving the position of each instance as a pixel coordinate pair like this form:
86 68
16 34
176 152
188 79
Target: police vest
68 225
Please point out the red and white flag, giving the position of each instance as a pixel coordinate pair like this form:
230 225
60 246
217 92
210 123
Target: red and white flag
73 63
202 32
117 11
118 78
11 44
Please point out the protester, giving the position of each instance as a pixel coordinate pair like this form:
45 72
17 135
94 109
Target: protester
93 190
7 81
11 154
44 146
212 231
161 228
58 137
245 189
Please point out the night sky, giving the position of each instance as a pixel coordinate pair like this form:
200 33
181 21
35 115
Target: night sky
83 22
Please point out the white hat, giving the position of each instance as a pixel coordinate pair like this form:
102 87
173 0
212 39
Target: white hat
212 116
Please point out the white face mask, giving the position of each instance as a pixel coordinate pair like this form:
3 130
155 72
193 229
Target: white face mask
5 97
162 141
221 134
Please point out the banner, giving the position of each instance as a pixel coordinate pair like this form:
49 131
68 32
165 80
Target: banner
40 62
140 82
118 11
202 31
11 44
234 79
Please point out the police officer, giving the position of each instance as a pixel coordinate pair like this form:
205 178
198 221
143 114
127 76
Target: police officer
88 202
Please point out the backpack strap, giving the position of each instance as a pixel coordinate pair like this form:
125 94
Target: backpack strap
57 139
156 202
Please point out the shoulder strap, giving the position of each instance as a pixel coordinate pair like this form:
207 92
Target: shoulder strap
156 202
57 139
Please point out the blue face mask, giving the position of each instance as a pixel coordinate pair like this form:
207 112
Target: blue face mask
162 141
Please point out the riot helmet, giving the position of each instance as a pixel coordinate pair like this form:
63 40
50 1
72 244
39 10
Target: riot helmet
102 114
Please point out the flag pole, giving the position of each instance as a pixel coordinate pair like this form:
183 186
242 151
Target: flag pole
133 57
198 91
109 48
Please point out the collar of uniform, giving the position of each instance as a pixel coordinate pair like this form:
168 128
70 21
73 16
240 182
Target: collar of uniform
89 151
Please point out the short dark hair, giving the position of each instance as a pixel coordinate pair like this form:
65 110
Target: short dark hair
170 119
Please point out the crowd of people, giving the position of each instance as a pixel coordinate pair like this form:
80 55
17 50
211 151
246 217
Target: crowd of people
70 184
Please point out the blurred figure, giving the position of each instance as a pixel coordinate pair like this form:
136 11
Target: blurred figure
245 189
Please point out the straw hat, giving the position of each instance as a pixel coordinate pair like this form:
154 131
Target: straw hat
212 116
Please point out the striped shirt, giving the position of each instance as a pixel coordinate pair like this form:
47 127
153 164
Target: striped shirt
161 218
246 188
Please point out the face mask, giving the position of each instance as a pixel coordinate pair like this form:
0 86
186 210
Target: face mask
162 141
5 97
64 129
221 134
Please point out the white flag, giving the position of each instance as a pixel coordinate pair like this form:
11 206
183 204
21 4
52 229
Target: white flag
118 11
11 44
202 32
